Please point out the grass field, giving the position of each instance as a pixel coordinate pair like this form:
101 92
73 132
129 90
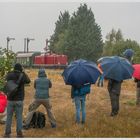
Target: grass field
98 120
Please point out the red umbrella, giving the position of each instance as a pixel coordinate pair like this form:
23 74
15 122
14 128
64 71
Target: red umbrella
136 73
3 102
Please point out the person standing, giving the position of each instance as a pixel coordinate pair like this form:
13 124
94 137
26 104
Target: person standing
15 102
41 85
101 77
137 91
114 88
78 94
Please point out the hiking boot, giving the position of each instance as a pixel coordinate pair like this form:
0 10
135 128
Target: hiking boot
53 125
6 135
26 127
19 134
83 122
2 122
77 122
137 103
113 114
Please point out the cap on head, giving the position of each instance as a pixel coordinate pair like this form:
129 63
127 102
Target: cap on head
18 67
42 73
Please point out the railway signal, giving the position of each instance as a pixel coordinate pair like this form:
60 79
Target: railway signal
28 40
8 40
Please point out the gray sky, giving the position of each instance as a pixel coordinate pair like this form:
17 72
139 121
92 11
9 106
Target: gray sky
37 20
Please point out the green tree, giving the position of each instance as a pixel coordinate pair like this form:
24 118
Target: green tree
136 58
113 43
6 64
83 38
119 36
61 27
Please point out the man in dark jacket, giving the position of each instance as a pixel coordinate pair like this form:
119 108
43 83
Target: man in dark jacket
41 85
114 88
15 102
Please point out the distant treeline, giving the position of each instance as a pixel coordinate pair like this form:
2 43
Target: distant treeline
79 36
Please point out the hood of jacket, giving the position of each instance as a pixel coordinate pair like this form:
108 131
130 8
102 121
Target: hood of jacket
42 73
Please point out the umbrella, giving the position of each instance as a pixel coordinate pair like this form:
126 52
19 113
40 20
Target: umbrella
3 102
128 53
117 68
136 73
103 59
80 72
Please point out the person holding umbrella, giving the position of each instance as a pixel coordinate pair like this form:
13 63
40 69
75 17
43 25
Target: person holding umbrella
78 94
100 82
80 74
128 54
114 88
116 69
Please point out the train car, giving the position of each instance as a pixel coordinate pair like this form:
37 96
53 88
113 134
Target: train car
26 58
51 61
38 60
62 59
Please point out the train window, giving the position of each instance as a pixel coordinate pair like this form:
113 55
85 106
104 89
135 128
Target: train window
27 60
21 61
24 61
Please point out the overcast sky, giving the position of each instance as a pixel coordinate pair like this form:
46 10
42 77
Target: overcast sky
37 20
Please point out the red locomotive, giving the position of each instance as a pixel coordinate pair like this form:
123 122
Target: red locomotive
37 60
51 60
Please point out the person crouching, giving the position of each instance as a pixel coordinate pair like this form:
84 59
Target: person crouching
41 85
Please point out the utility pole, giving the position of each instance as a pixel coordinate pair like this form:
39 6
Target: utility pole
46 47
8 40
24 45
28 40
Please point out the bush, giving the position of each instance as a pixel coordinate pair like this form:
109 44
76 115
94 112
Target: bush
6 64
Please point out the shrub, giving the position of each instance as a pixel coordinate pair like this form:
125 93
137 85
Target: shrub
6 64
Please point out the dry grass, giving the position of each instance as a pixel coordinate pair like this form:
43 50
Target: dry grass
98 122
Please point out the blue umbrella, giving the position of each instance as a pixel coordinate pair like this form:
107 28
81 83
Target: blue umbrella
117 68
103 59
80 72
128 53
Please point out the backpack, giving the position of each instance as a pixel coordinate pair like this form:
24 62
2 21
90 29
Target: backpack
11 86
85 89
38 120
80 91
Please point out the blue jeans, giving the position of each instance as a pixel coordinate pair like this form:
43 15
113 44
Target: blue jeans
100 81
80 105
17 107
